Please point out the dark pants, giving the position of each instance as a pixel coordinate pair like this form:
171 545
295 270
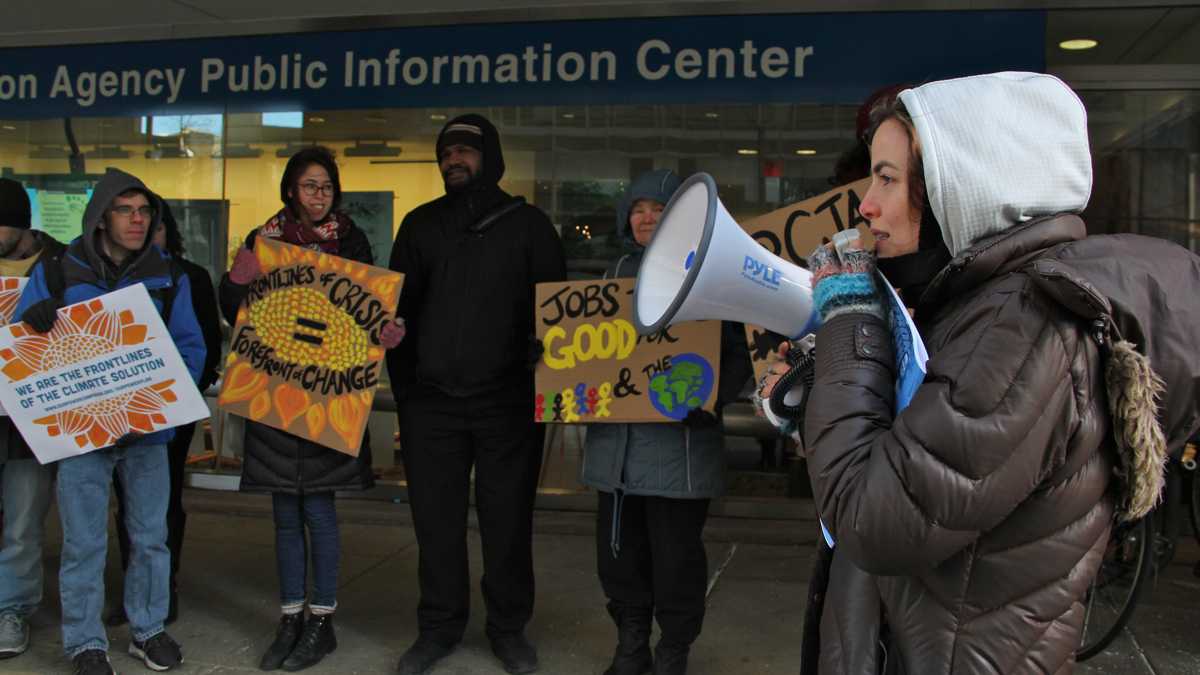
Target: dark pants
293 515
660 565
442 437
177 452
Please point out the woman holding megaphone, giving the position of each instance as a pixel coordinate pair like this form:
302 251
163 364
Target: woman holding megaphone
967 526
655 482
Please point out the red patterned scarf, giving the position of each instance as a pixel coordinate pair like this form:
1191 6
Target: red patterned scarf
322 237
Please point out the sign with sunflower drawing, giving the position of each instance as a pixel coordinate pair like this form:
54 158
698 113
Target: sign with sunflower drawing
10 294
108 368
305 355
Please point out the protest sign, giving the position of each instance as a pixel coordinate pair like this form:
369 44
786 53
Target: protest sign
792 232
10 295
106 369
596 368
305 355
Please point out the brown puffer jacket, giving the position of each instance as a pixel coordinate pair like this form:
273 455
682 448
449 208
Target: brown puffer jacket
972 523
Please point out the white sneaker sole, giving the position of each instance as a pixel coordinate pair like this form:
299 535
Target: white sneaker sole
10 652
145 658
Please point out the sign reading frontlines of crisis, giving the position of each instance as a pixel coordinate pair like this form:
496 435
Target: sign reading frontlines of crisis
596 368
791 233
108 368
305 355
718 59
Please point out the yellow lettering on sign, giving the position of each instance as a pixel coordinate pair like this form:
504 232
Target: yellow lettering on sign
606 340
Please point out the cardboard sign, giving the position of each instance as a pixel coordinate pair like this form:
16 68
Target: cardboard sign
305 355
792 232
596 368
10 294
106 369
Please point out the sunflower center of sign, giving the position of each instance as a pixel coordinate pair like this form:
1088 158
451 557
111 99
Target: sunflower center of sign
303 327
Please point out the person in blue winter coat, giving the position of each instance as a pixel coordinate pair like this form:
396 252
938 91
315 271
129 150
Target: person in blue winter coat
115 252
655 482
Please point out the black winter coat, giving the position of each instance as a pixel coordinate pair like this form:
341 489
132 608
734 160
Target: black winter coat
276 461
973 522
467 298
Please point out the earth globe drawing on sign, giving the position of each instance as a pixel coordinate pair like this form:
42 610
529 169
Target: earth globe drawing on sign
682 388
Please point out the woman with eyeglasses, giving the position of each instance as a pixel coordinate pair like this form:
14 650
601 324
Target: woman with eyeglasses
301 475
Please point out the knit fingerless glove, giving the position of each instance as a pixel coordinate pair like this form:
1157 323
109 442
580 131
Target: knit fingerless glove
844 287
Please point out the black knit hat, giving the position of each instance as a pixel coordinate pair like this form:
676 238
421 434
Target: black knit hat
14 205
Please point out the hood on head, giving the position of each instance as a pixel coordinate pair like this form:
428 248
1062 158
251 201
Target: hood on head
658 185
493 158
998 150
112 185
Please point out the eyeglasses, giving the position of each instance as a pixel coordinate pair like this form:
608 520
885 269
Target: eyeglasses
126 211
311 189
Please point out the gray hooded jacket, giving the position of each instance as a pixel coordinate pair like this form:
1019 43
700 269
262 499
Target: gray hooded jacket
660 460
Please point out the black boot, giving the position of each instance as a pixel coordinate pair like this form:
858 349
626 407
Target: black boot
316 641
421 656
286 636
670 659
516 653
632 656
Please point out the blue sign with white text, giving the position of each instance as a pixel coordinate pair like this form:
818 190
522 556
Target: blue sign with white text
827 58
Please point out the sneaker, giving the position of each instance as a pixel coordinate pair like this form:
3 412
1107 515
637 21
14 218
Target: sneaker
421 656
516 653
14 635
158 653
92 662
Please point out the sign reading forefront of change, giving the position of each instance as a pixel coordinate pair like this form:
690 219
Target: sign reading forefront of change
792 232
305 355
596 368
106 369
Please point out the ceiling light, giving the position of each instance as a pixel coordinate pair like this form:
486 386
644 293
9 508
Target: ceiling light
568 116
712 115
1077 44
806 151
8 127
316 120
747 151
436 117
378 119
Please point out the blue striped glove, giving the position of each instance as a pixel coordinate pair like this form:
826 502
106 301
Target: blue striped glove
844 287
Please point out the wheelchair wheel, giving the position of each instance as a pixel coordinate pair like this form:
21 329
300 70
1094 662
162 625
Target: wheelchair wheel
1114 593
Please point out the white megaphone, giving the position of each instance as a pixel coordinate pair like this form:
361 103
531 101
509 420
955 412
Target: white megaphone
703 265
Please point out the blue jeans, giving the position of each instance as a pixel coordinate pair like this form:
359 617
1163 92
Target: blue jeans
292 514
83 489
25 491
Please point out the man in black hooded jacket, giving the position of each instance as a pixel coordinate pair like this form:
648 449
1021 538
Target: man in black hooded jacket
471 259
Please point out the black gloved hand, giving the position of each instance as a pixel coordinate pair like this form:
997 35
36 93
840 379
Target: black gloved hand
534 356
129 439
42 315
698 418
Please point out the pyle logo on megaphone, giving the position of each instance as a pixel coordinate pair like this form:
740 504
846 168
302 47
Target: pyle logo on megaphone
761 273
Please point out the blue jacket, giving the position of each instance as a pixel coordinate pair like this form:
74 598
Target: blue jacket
89 274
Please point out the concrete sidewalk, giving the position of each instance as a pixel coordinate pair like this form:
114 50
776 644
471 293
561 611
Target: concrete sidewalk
759 570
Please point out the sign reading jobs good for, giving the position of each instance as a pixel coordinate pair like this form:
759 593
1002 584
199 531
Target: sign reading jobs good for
305 355
596 368
106 369
792 232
